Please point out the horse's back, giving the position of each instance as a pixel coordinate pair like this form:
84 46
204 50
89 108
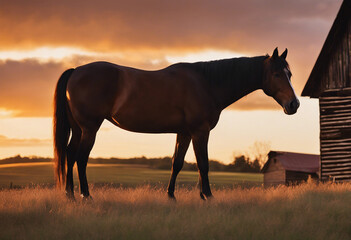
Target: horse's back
138 100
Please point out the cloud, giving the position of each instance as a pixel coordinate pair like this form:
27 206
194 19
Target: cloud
16 142
27 87
112 25
144 34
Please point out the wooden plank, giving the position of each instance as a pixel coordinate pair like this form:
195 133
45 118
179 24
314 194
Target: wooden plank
335 118
331 122
329 170
338 115
336 173
337 144
328 131
348 57
336 164
336 140
325 99
330 136
334 111
336 102
346 89
335 107
332 149
336 153
346 157
331 162
336 91
336 127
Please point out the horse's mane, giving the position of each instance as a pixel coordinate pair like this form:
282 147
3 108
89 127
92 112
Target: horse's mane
223 72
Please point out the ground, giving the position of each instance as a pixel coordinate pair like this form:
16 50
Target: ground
131 203
308 211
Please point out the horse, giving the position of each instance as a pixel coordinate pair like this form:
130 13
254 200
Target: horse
184 98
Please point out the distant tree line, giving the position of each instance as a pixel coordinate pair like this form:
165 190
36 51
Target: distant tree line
239 164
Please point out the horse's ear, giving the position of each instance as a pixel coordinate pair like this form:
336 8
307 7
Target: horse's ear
275 53
284 54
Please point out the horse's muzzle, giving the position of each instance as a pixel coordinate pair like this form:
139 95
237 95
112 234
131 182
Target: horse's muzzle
292 106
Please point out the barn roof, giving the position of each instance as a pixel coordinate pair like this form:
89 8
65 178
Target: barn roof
299 162
313 86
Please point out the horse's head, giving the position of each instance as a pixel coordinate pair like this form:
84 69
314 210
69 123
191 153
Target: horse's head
276 82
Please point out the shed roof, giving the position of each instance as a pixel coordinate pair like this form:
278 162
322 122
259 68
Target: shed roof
337 31
299 162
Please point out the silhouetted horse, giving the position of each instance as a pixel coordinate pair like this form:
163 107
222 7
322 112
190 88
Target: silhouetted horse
184 98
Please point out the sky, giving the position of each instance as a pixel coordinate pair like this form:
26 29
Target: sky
40 39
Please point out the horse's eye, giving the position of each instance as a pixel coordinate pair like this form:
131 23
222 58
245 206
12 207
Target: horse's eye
276 74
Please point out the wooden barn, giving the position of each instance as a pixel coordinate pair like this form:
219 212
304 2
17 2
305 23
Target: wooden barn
289 168
330 81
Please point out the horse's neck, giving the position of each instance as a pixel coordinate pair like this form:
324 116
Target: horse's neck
232 79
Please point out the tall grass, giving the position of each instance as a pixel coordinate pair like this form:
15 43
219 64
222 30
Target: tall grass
307 211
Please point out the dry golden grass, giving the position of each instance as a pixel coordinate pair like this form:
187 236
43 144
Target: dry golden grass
307 211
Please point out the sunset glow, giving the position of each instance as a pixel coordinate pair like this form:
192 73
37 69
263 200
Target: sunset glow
46 39
43 54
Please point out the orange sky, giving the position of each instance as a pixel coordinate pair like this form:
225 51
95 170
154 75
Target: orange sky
40 39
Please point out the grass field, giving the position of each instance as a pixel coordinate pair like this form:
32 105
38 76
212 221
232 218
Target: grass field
130 203
120 174
304 212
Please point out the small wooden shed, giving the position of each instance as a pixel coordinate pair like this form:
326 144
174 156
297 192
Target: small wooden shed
330 82
289 168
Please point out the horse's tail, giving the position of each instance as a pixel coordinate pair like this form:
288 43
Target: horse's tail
61 127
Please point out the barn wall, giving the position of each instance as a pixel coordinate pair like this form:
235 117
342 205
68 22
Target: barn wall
330 81
274 178
338 73
335 135
294 177
275 174
335 109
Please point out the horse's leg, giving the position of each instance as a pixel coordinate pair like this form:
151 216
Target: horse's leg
182 144
71 152
200 141
86 144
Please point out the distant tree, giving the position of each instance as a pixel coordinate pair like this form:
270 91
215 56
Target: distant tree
216 165
256 166
189 166
259 151
243 163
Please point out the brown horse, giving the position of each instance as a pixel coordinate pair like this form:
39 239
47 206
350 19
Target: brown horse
184 98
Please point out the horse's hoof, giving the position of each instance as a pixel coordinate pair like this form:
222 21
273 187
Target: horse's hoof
70 196
86 198
209 198
171 196
205 197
